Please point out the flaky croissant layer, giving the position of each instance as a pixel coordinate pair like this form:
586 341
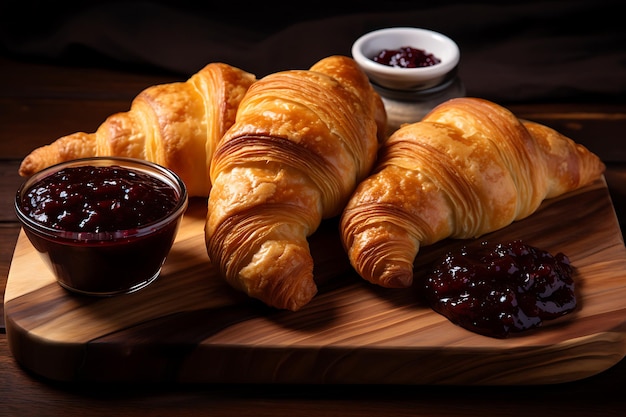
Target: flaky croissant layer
468 168
301 142
176 125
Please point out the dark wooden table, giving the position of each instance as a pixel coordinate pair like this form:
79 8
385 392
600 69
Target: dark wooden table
39 103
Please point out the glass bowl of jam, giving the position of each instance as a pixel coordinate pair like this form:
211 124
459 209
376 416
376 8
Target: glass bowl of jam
406 58
104 225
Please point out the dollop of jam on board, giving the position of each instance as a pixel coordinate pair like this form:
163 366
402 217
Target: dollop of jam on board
406 57
99 199
502 288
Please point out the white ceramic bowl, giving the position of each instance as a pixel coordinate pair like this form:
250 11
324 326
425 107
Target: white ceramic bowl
369 45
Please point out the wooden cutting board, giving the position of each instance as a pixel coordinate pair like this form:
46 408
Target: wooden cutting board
189 326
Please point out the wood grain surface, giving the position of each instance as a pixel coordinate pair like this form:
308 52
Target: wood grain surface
189 326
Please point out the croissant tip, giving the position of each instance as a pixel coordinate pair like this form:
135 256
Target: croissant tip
294 300
297 305
400 281
26 168
394 278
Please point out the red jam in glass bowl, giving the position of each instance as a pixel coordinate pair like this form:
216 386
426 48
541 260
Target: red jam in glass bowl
104 225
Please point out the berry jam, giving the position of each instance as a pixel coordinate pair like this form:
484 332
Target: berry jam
103 229
406 57
498 289
98 199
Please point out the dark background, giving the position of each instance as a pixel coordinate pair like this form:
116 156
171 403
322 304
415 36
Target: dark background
511 51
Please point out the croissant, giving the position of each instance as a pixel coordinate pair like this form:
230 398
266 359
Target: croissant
301 142
176 125
468 168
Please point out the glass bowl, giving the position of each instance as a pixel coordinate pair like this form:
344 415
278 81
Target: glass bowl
103 225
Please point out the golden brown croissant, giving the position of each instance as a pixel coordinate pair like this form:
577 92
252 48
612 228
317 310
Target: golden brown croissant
176 125
301 142
468 168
